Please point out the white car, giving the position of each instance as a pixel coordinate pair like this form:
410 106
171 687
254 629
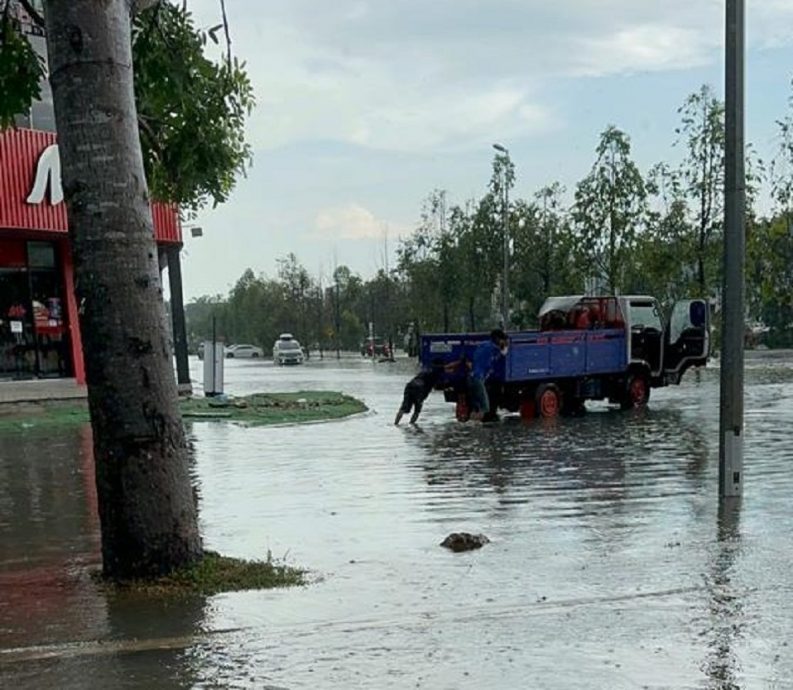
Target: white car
287 350
244 352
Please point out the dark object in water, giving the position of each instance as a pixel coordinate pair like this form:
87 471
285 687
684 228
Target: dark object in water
463 541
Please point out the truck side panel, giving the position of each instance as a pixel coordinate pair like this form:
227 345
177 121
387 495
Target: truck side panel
529 356
607 352
445 348
535 356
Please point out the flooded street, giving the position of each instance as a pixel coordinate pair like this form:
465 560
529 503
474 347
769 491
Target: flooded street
610 565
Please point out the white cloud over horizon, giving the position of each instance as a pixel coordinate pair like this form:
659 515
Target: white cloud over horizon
353 222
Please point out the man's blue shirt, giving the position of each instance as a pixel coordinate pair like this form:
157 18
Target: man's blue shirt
485 357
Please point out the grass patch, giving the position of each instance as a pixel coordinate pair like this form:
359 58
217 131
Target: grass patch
214 574
254 410
25 416
275 408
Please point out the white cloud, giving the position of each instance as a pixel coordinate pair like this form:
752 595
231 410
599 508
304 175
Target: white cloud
647 47
352 222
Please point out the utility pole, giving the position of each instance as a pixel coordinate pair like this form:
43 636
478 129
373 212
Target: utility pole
731 413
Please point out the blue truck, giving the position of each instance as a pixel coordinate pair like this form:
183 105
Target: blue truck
586 348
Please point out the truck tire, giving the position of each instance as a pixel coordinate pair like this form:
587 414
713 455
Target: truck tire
637 391
548 401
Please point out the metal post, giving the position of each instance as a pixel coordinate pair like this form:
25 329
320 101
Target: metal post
214 354
337 320
731 418
178 323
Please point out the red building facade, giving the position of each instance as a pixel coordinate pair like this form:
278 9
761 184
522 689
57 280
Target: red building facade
39 332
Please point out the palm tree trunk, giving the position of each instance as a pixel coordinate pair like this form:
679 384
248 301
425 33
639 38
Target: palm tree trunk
146 505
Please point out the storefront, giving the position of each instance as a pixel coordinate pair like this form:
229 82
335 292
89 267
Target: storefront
39 335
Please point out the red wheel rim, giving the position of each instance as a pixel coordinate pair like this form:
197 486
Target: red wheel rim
549 404
638 391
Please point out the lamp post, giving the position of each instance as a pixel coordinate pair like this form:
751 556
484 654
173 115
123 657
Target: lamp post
505 220
731 409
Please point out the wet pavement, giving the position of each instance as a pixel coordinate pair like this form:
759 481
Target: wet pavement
610 565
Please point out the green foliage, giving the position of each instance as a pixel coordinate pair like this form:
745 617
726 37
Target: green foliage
610 208
21 70
701 133
321 315
191 110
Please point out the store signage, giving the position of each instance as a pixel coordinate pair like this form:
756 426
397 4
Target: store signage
31 191
48 173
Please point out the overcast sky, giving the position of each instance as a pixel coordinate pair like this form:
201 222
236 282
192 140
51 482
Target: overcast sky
365 106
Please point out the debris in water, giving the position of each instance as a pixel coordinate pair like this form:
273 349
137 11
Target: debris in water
463 541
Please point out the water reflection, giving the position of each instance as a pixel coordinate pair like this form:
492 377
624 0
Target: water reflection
726 620
598 461
49 546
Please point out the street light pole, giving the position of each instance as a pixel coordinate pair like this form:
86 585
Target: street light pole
731 411
505 221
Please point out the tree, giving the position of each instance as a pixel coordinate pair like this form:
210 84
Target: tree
21 69
770 245
701 132
782 168
662 263
610 207
191 110
146 505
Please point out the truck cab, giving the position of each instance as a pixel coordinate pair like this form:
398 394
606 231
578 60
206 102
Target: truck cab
666 347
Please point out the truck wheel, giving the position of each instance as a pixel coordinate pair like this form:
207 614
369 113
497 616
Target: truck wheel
637 392
549 401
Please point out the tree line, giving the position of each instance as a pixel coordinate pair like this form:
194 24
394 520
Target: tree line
620 230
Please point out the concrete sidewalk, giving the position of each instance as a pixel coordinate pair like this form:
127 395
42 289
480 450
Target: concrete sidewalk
40 390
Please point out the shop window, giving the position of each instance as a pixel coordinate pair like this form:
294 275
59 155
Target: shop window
41 255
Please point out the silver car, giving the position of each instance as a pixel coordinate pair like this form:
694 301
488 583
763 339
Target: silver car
244 352
287 350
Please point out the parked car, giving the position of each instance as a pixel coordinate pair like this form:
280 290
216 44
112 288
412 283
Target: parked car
375 347
244 351
287 350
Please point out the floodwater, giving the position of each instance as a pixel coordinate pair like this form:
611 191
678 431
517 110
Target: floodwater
610 564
